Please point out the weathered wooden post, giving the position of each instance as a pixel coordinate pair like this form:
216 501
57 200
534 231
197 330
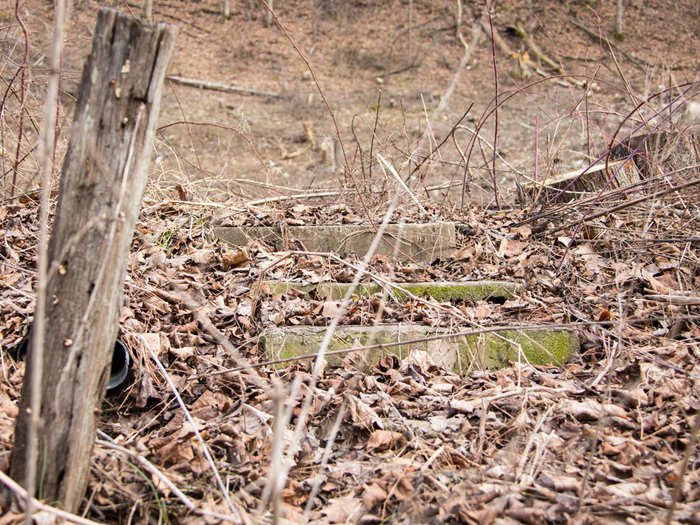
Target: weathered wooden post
103 179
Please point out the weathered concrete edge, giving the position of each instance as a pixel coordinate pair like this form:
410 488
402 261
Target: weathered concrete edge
543 346
443 291
422 242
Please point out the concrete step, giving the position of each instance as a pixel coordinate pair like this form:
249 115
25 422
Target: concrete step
469 291
410 242
460 353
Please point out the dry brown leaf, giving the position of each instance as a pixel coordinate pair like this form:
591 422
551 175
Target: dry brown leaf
587 409
9 408
245 308
464 254
559 482
160 485
442 387
183 353
354 360
403 489
615 410
627 489
346 509
658 286
594 263
362 414
483 310
201 256
153 342
524 231
330 309
529 515
483 516
300 209
384 439
465 406
420 359
146 391
233 258
44 518
373 495
609 449
511 247
11 518
293 494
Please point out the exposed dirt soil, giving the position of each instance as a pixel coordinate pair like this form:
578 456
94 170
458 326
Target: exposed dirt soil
358 49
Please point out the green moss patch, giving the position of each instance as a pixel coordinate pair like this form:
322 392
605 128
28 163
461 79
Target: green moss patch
440 291
460 353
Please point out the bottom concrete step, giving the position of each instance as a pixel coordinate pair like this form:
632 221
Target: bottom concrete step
460 353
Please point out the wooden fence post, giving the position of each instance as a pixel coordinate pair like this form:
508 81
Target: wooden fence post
103 179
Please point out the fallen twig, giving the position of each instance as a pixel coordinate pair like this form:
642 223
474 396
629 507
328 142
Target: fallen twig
21 493
319 363
229 88
536 51
462 333
205 449
401 183
595 36
497 38
624 205
199 313
678 489
283 198
674 299
153 470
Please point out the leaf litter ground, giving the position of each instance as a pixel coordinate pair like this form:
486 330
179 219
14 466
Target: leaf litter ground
599 440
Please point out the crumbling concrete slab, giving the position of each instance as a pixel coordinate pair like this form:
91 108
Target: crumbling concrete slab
460 353
443 291
410 242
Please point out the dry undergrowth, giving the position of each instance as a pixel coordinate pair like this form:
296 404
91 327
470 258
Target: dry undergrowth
601 439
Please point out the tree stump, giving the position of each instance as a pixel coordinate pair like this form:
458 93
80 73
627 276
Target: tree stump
581 183
659 152
103 179
637 158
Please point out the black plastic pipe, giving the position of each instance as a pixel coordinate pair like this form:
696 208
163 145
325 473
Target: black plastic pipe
121 362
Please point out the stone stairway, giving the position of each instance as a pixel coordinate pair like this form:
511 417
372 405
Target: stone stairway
461 348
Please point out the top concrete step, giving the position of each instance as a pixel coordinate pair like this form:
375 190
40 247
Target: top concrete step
407 242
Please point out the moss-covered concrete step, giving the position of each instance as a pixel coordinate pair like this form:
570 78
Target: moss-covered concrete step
460 353
469 291
409 242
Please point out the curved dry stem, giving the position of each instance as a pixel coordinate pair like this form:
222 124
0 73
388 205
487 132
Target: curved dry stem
348 171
